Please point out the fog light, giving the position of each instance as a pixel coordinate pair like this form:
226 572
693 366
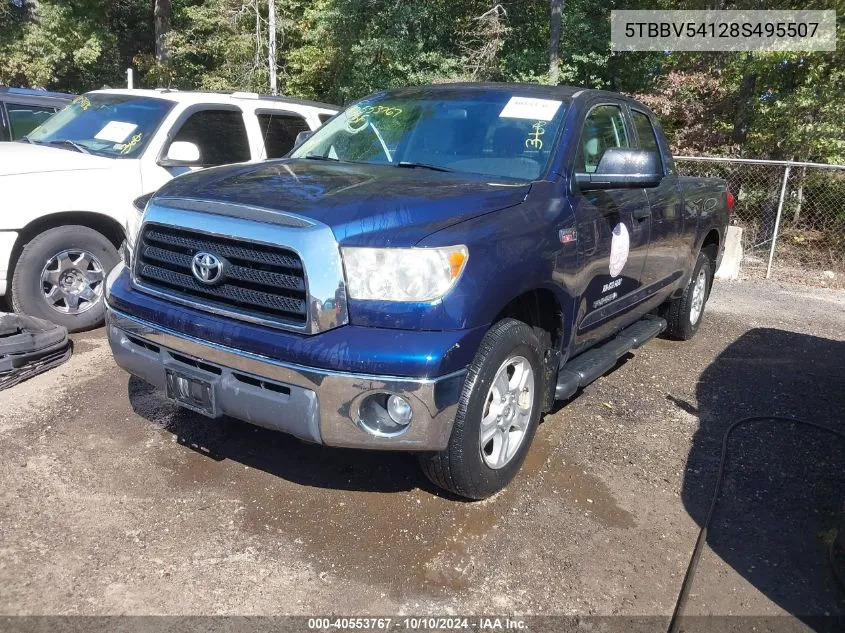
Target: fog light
384 414
399 410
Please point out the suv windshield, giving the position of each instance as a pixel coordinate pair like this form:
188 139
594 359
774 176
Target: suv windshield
108 125
491 132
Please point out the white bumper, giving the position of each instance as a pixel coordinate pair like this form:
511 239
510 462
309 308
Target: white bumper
7 242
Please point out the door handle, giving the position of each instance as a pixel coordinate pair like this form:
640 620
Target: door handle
642 213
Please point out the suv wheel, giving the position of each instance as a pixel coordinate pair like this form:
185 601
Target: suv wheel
497 415
60 276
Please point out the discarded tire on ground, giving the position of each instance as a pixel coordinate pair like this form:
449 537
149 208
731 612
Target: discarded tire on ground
29 346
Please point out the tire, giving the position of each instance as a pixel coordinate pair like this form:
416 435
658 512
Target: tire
72 262
464 466
684 314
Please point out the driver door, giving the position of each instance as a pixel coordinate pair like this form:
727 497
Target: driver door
613 232
219 133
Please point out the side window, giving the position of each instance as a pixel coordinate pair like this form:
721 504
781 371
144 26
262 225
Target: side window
324 117
4 125
219 134
645 133
25 118
279 132
604 128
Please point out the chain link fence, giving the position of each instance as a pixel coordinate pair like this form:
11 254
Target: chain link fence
792 215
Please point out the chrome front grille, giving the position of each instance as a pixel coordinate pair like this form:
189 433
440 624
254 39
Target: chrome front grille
259 281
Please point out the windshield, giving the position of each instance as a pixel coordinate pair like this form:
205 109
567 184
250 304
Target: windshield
491 132
105 124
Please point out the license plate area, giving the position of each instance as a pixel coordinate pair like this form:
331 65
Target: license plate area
191 392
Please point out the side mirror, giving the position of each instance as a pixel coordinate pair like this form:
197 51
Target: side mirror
181 154
302 137
621 168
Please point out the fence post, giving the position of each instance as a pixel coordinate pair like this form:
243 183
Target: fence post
777 221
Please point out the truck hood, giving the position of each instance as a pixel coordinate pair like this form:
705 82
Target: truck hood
23 158
363 204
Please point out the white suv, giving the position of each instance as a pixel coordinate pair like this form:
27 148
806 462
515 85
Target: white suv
67 189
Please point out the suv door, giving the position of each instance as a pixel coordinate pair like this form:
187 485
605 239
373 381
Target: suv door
612 231
220 134
665 262
218 131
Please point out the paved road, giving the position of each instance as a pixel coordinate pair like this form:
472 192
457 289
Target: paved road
113 501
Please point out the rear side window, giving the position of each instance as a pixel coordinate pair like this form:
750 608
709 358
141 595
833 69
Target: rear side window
219 134
25 118
4 125
279 132
604 128
324 117
645 133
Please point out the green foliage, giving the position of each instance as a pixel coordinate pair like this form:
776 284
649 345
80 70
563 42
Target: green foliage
68 45
779 105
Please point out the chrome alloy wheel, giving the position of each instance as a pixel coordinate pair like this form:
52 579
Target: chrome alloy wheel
72 281
507 412
699 290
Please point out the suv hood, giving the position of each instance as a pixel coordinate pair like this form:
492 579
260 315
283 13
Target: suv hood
363 204
24 158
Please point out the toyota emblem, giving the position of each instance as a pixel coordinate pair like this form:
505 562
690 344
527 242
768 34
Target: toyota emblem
207 268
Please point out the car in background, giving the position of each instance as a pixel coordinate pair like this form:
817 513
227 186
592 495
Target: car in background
23 109
71 186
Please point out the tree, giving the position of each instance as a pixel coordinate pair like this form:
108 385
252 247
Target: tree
557 7
271 45
162 16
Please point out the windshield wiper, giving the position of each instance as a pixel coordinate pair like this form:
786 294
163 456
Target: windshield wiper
68 142
26 139
411 165
320 157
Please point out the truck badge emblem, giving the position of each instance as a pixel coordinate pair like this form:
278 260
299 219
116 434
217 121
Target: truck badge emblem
207 268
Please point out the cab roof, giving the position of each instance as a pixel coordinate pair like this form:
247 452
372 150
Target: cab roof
527 89
191 96
32 92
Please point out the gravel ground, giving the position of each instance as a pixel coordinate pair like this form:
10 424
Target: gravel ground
115 502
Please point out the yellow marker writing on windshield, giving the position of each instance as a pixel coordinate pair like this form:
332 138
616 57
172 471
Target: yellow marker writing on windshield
356 114
83 102
128 147
533 141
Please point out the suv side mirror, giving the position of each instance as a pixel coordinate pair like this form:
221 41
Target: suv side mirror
181 154
622 168
302 137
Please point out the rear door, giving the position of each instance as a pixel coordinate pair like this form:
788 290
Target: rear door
612 230
279 130
665 262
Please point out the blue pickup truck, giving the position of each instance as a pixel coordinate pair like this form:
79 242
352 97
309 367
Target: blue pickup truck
429 271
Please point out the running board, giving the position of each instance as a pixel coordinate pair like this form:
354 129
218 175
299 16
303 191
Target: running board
586 367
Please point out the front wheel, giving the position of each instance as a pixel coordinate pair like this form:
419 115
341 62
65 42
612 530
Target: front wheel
497 416
60 276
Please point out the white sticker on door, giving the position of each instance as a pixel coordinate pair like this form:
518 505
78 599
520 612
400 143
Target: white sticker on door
620 246
115 131
527 108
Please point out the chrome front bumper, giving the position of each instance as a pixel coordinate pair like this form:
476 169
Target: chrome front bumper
316 405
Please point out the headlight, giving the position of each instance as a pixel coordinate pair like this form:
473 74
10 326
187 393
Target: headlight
402 274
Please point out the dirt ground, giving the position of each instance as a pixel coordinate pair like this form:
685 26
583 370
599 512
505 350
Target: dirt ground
115 502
